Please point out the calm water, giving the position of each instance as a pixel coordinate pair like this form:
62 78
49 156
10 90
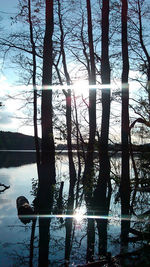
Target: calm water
15 237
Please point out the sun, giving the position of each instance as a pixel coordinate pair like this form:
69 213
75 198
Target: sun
79 214
81 87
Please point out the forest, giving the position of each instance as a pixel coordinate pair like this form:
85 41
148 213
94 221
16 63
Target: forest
84 67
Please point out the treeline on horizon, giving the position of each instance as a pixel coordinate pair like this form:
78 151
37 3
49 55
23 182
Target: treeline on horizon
16 141
19 141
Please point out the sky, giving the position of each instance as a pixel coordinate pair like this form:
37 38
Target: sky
11 108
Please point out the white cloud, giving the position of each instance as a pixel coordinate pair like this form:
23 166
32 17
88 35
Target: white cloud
11 107
5 117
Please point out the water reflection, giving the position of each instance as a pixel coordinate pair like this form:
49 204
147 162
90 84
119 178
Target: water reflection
13 159
67 231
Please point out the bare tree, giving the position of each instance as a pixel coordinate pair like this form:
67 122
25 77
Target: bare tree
125 177
68 97
34 86
105 76
48 148
139 48
88 171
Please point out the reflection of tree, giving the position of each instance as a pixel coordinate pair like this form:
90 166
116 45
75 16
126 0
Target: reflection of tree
90 240
140 200
68 223
4 187
32 242
44 238
100 205
15 159
45 206
102 197
88 193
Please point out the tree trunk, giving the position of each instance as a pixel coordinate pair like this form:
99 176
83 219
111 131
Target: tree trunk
105 76
88 171
104 173
34 88
48 148
89 164
72 171
125 99
125 180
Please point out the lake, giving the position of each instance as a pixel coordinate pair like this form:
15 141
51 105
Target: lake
70 232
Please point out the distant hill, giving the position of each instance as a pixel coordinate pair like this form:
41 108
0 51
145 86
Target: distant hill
16 141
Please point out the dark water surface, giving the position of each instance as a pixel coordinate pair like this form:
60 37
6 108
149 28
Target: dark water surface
69 237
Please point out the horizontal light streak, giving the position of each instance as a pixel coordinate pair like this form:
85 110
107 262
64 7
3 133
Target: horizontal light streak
74 87
64 87
77 86
96 217
71 87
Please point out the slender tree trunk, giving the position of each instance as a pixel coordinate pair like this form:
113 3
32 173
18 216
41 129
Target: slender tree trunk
72 171
101 201
92 81
88 171
89 162
104 173
48 148
105 75
125 177
78 152
34 88
125 98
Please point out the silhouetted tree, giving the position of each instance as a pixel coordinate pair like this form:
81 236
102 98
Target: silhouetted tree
125 177
34 85
68 96
105 76
88 171
48 148
139 13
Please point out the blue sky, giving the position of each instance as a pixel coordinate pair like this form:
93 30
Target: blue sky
8 79
8 6
10 110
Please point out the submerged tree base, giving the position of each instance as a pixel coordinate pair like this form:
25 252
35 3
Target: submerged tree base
140 257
